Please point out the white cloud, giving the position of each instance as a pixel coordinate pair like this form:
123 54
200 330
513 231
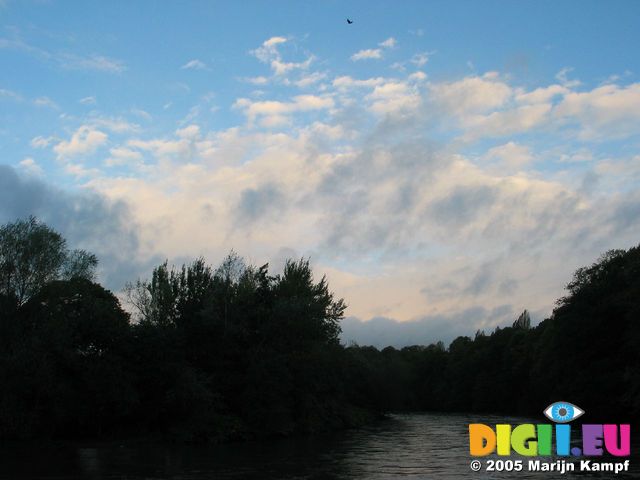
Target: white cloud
45 102
310 79
273 113
191 132
9 94
394 97
374 53
564 80
115 124
122 156
582 155
85 140
280 68
142 114
388 43
66 60
191 116
511 156
161 148
488 106
260 80
273 41
194 64
41 142
368 54
506 122
417 77
346 82
608 111
30 166
472 94
268 53
91 62
542 94
420 59
187 145
80 171
88 101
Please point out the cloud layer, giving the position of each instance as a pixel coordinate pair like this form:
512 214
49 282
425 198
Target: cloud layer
450 204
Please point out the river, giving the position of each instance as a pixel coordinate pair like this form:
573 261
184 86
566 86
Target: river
416 446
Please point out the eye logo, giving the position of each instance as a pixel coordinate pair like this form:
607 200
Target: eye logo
563 412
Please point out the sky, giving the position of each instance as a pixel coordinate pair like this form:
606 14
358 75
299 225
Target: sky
445 164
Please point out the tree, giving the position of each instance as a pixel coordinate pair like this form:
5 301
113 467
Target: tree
307 310
76 377
33 254
593 339
523 321
172 294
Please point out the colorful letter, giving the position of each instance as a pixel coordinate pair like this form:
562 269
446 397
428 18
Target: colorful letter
544 439
482 439
523 440
592 440
563 439
503 433
611 440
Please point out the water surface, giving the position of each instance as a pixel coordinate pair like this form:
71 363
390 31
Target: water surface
415 446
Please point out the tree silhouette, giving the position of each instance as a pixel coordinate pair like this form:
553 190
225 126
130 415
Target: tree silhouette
32 254
523 321
236 352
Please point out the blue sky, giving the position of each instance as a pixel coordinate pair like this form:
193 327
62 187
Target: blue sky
446 164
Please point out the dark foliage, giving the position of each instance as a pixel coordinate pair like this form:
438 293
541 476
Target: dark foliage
234 352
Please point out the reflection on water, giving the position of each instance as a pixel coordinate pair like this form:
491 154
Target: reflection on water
429 446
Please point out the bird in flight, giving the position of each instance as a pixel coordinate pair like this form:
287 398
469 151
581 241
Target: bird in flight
349 21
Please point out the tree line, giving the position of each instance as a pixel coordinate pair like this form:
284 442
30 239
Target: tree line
236 352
